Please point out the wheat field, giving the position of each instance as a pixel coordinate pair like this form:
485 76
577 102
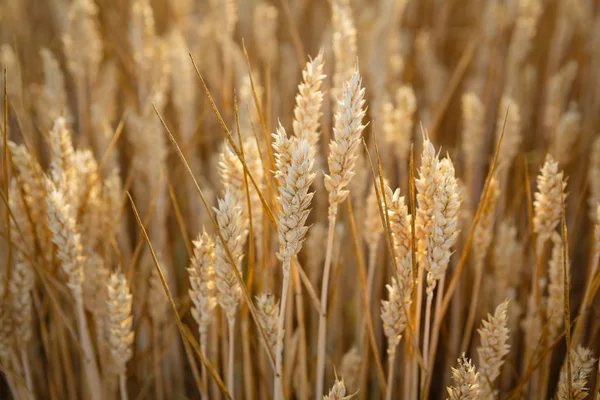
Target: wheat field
300 199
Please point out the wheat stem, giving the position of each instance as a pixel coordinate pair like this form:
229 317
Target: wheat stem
426 332
123 386
230 358
324 297
391 371
472 307
278 389
27 371
90 366
156 357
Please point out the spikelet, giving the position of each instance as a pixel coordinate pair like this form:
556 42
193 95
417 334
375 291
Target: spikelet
182 74
556 287
582 362
228 287
525 29
350 368
465 380
400 226
52 100
593 180
406 105
30 178
267 307
434 73
309 99
507 260
82 31
485 227
119 321
558 87
226 16
112 193
20 287
426 187
255 166
62 225
343 150
343 44
6 324
547 205
62 161
231 172
294 176
508 112
202 281
10 61
373 224
265 32
392 314
87 191
158 304
94 285
337 391
567 131
141 32
444 230
473 132
493 348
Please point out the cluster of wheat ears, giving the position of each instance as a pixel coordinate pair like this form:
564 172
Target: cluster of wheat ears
294 199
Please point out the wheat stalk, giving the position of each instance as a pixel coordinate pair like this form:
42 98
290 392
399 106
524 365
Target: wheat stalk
294 163
119 324
343 153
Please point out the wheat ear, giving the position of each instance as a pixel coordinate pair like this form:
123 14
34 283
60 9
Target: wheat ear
61 222
120 327
582 362
294 176
493 349
481 243
444 231
229 219
343 152
465 380
202 289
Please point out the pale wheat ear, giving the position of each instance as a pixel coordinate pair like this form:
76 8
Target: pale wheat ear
119 324
493 348
465 380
